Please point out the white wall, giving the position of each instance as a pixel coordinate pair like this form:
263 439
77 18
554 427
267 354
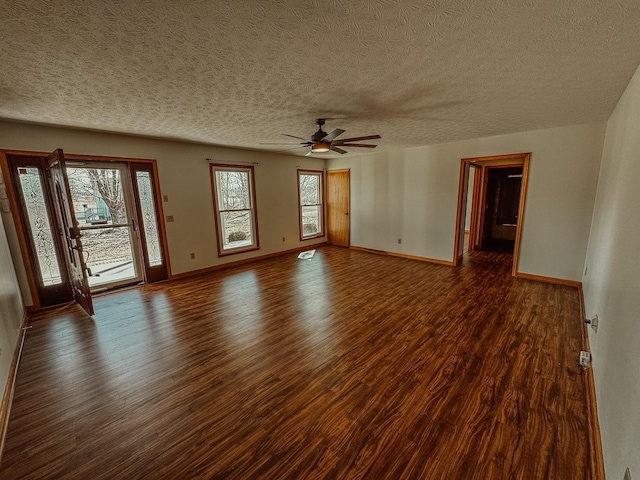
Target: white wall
11 306
412 194
184 177
612 287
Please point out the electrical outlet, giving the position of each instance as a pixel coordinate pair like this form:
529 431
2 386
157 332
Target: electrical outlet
627 474
169 218
283 239
585 359
193 255
399 241
165 198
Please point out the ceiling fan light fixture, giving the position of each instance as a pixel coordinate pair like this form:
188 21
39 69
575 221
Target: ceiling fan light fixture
323 142
320 148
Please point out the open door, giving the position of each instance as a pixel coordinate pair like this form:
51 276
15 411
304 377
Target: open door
69 230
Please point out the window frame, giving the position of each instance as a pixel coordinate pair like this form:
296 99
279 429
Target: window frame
321 233
215 167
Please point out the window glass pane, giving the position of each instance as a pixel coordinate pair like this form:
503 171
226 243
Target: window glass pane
236 229
38 217
108 254
233 190
309 189
97 196
311 207
234 208
149 219
311 220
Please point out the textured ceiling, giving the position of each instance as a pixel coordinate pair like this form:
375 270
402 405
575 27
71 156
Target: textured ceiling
239 73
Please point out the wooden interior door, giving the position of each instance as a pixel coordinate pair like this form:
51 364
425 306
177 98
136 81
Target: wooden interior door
338 207
69 230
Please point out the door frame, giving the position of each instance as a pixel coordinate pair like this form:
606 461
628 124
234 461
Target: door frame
21 234
472 210
348 213
514 159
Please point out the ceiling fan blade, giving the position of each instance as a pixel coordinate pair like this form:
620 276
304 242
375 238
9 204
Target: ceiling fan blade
365 145
308 154
301 144
355 139
336 149
329 137
294 148
293 136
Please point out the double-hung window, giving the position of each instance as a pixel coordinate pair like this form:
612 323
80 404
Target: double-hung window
311 203
235 208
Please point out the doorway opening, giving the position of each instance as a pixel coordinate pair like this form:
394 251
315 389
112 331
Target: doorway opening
491 200
103 207
502 197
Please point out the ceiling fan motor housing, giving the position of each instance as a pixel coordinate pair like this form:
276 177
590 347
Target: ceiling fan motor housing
320 134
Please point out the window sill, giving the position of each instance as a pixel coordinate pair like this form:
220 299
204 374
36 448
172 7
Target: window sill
235 251
320 235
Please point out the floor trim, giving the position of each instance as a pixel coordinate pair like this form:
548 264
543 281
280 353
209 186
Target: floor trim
595 439
542 278
237 263
403 255
7 398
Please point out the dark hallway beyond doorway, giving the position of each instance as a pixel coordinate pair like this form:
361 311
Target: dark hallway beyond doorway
501 209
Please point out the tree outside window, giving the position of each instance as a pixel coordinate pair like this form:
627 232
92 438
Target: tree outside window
98 195
235 208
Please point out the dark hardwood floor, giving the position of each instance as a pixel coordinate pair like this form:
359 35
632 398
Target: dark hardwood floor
348 365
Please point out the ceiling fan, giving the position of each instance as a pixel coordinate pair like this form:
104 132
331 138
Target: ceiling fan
322 141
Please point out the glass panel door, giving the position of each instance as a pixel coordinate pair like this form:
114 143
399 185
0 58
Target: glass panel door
37 214
149 218
44 251
68 231
103 205
149 209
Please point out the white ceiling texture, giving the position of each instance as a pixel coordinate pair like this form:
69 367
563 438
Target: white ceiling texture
241 73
